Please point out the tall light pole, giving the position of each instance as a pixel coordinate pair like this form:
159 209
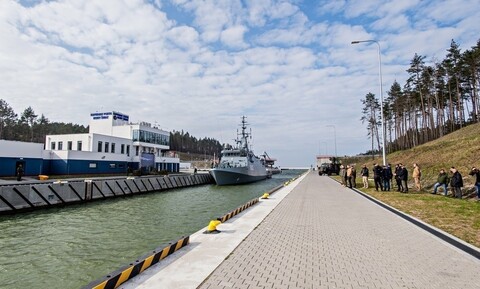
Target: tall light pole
335 137
319 151
381 94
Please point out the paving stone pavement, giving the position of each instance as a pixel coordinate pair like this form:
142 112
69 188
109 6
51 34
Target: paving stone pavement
323 235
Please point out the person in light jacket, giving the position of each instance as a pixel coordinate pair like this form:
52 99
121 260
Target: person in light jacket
348 180
417 174
364 172
342 173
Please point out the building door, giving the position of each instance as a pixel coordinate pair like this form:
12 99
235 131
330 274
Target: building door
147 162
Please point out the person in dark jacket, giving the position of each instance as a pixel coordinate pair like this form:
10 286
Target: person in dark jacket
442 181
377 176
476 173
404 178
19 172
456 182
398 177
364 173
354 176
387 177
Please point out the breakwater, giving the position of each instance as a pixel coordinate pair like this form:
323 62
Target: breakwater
26 197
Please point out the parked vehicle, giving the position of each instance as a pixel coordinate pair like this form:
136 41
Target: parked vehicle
332 168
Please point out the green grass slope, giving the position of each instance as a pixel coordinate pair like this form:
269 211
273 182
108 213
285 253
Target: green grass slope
457 217
460 149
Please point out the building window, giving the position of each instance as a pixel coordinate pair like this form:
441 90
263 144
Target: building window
128 150
113 148
99 146
106 146
60 145
112 166
52 146
79 145
150 137
136 150
92 165
122 148
69 145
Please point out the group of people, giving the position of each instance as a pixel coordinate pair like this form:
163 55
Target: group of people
383 177
348 176
456 182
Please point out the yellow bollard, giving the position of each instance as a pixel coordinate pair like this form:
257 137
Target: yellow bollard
212 227
265 196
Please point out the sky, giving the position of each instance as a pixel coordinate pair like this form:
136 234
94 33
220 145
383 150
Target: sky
200 65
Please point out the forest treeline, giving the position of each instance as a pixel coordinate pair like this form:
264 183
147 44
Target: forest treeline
30 127
436 99
184 142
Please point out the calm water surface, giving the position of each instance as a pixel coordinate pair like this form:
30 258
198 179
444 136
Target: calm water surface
72 246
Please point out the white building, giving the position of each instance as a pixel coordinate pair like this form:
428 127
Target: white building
322 159
111 146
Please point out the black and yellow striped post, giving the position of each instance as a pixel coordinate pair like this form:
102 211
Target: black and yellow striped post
238 210
120 276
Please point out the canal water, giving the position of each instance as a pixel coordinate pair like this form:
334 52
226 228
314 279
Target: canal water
72 246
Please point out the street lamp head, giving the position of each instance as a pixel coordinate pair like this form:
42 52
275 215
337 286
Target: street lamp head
365 41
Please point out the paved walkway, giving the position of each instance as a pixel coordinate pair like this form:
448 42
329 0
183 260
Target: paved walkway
325 236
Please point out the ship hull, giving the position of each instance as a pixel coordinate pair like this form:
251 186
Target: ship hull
274 171
236 176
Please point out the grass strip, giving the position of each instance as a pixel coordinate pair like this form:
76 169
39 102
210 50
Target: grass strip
459 217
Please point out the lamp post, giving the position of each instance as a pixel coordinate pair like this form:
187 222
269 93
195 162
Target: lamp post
381 93
319 150
335 137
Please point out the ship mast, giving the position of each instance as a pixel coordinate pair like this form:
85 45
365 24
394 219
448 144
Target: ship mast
244 135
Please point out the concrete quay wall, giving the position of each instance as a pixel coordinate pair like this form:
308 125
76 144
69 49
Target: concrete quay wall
26 197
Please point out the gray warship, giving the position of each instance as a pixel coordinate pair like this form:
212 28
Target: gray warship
239 165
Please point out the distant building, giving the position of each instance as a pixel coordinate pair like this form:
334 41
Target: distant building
111 146
321 159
